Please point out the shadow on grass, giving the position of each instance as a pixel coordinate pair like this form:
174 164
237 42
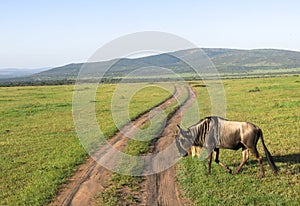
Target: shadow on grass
291 163
289 159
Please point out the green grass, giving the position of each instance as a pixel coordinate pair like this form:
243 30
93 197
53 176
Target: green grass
275 107
38 141
148 96
40 148
36 128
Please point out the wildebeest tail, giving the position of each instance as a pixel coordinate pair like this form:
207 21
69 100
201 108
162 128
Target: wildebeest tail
268 155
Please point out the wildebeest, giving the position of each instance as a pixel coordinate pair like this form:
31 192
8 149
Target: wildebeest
214 133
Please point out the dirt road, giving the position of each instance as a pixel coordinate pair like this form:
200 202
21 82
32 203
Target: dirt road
91 178
161 188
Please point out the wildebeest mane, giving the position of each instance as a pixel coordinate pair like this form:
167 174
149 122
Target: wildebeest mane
206 132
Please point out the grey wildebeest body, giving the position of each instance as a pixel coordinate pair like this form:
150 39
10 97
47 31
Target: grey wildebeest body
214 133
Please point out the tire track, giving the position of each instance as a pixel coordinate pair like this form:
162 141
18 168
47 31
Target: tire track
91 178
161 188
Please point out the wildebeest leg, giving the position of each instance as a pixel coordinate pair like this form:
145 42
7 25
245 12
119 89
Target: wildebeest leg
219 162
209 162
244 159
259 159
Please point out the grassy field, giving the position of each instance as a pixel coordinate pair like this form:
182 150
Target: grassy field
274 105
38 141
40 149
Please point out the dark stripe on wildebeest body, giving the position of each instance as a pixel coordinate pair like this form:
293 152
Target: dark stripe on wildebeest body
214 133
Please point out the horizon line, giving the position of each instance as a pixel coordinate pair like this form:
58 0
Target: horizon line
142 56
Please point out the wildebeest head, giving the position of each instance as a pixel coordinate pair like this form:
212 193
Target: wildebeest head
183 141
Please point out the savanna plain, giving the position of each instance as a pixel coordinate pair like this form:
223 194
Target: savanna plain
39 147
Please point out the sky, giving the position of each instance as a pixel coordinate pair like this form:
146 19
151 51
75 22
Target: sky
37 34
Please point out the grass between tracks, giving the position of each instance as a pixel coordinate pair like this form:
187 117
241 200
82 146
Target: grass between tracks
274 105
38 141
123 189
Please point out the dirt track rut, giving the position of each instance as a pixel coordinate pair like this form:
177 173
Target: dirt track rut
161 187
91 178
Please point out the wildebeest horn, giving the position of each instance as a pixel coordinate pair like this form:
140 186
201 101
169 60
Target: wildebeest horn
178 126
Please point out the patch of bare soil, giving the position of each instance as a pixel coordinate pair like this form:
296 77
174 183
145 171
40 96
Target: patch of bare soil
91 178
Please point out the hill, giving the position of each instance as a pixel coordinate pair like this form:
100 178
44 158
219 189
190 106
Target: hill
226 61
12 72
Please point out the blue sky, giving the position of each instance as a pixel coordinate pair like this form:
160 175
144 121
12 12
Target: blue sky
38 33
